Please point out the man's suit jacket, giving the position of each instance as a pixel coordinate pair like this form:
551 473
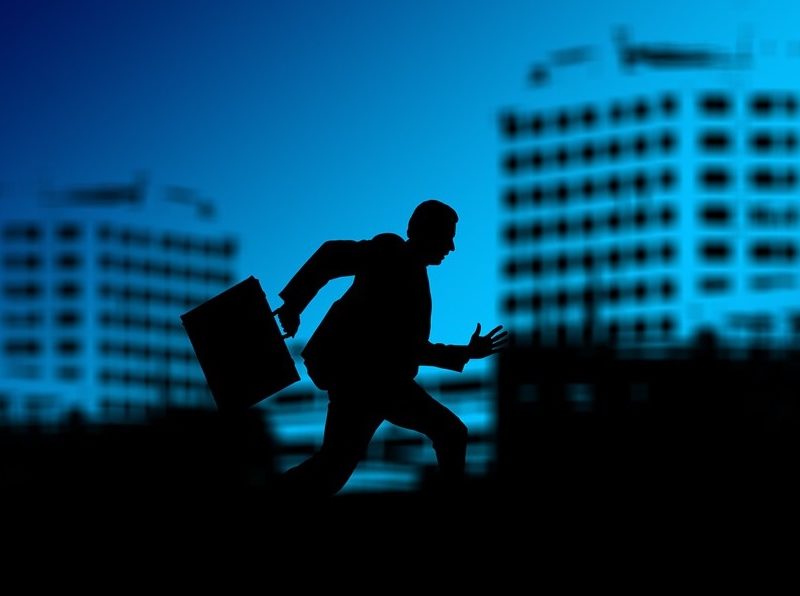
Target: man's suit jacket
380 327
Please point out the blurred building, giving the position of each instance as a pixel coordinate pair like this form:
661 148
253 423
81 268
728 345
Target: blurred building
92 283
651 193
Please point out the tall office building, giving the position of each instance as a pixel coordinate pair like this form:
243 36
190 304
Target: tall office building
650 193
91 288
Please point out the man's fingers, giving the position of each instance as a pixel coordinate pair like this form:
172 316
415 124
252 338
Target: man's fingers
500 336
495 330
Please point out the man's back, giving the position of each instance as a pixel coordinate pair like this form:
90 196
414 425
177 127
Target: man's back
383 320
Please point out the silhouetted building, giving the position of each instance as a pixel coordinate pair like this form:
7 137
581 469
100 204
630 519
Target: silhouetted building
90 297
656 204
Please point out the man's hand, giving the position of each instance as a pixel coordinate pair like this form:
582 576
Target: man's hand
481 346
289 320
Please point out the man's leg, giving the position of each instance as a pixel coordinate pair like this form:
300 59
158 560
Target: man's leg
349 428
411 407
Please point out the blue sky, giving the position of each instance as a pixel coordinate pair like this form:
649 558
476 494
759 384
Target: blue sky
307 121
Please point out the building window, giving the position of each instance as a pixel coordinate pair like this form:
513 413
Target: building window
68 373
715 104
22 290
22 232
715 178
69 232
714 284
715 214
68 289
69 261
715 251
68 347
68 318
22 347
25 261
715 141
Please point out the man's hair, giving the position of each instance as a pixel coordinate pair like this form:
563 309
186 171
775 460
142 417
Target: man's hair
429 218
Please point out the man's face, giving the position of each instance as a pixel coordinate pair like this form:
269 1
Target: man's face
440 244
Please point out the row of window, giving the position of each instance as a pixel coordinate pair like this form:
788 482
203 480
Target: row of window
145 351
146 295
720 214
762 179
31 232
773 141
772 282
129 377
589 152
143 323
587 117
162 269
22 347
71 319
639 327
639 183
758 283
33 347
34 262
721 141
122 406
760 104
22 291
169 242
713 104
610 221
723 284
614 258
23 319
771 252
588 296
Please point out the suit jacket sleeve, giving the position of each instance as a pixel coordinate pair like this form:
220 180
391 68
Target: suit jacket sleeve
444 356
335 258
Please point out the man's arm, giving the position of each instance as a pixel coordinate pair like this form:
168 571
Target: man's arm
451 357
455 358
335 258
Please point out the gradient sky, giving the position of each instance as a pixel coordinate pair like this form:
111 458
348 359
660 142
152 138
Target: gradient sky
307 121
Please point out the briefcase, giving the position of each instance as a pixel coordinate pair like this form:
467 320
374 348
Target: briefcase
239 346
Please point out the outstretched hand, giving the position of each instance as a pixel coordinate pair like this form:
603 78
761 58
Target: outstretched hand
481 346
289 320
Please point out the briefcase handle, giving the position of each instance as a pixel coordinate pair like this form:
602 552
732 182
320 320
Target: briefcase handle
275 314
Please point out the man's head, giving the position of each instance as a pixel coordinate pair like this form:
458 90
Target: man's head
431 231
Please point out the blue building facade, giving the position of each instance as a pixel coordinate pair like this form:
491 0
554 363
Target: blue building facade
660 205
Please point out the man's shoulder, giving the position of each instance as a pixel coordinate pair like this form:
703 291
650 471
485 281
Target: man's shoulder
388 239
388 243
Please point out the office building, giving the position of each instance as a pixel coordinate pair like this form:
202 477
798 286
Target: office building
659 203
90 298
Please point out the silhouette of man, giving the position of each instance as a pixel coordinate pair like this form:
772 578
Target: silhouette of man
369 346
